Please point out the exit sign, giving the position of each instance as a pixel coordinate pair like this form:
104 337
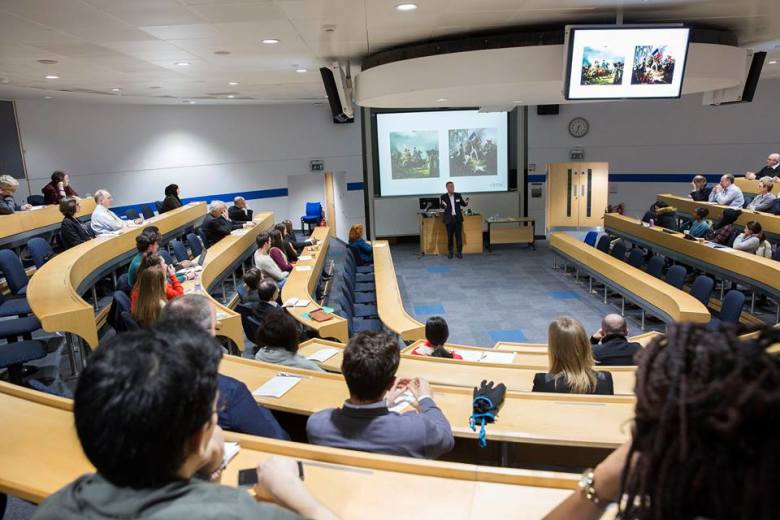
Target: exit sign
317 165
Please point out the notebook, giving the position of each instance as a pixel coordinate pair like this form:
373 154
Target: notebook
320 315
277 386
323 354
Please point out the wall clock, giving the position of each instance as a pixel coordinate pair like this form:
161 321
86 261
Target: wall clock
578 127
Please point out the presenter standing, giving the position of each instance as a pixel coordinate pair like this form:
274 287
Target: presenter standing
452 203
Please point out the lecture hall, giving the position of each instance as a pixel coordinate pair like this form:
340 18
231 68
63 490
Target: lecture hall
375 259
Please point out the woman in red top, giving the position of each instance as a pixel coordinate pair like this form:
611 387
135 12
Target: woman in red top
277 251
436 334
173 287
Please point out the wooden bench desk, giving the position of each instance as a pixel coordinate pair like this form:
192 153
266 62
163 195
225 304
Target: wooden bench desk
748 186
19 227
41 453
302 284
770 223
645 290
390 306
467 374
535 348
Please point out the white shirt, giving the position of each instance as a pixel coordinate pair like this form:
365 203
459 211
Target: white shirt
452 202
105 221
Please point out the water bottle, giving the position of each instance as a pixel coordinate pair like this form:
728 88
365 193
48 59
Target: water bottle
198 286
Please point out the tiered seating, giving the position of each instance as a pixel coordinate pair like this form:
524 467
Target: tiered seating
356 297
16 229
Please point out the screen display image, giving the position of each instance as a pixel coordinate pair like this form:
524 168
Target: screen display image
620 63
418 152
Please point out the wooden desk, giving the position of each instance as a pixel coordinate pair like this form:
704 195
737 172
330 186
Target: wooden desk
752 186
528 418
467 374
647 291
302 284
511 230
755 271
55 291
770 223
41 453
433 235
19 227
226 256
388 297
643 339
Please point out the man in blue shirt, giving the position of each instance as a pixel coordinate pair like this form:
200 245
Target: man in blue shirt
727 193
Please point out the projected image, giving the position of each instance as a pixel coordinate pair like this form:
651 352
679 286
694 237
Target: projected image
652 65
473 152
415 154
602 67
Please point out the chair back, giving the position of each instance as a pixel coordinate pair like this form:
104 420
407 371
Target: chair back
776 253
129 322
655 266
590 238
731 309
196 245
123 284
159 205
776 207
165 256
702 288
203 239
248 322
619 251
40 251
675 276
603 244
36 200
313 209
131 214
147 211
12 269
636 258
243 292
179 250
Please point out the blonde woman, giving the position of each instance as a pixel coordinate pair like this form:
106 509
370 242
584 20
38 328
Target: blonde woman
571 362
149 292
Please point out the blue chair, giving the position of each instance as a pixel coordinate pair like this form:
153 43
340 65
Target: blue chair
40 251
179 250
123 284
358 287
14 307
702 287
655 266
730 310
776 252
146 211
313 215
14 273
195 243
119 304
36 200
131 214
590 238
166 256
129 322
603 244
358 310
14 355
243 292
636 258
159 205
12 330
619 251
775 207
248 322
352 258
203 238
675 276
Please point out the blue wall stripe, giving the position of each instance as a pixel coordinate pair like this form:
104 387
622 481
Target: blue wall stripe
644 177
355 186
537 178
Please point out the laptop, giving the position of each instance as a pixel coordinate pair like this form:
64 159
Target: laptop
202 257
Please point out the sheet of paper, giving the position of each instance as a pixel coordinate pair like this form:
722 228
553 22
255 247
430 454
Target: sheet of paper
303 268
470 355
323 354
302 302
238 232
36 208
303 258
277 386
231 450
498 357
291 302
403 402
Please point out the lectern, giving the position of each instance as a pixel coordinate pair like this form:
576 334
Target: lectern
433 234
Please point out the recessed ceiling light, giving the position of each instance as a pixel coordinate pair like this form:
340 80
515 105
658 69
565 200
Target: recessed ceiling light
406 7
116 90
182 63
441 100
52 76
188 102
231 96
773 62
270 41
48 62
232 83
517 102
46 97
300 71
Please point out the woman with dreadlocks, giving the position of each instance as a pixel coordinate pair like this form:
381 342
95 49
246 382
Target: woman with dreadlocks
706 443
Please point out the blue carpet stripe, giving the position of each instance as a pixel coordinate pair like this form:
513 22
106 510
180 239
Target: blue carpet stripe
435 308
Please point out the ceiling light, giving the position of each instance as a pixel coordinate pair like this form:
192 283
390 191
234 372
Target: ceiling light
232 83
300 71
517 102
221 53
773 62
188 102
182 63
406 7
270 41
116 90
48 62
441 100
231 96
46 97
52 76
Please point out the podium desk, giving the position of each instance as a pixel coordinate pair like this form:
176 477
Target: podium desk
433 234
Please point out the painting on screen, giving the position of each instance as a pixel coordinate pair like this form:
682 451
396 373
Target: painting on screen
414 154
473 152
602 67
653 65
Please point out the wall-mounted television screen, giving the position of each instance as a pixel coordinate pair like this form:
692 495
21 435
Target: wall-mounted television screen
625 62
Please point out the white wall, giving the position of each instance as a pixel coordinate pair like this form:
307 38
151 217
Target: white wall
135 151
661 137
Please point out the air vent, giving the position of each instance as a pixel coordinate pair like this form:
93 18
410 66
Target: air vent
86 91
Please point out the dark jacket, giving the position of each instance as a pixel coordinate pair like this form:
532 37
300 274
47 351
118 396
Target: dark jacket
459 204
702 195
51 195
239 412
263 309
170 202
290 250
766 171
239 215
364 254
8 205
72 233
215 229
548 383
614 350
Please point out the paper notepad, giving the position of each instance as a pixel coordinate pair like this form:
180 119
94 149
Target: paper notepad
231 450
277 386
238 232
36 208
403 401
305 257
323 354
297 302
476 356
303 268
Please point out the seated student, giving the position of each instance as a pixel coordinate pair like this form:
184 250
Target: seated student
171 285
436 334
701 226
171 200
148 242
749 239
765 198
216 225
239 211
365 423
277 339
277 251
267 296
289 248
237 409
610 345
723 229
157 448
72 232
726 193
58 188
704 442
290 234
764 246
8 186
252 278
104 220
661 214
701 192
364 254
571 362
265 263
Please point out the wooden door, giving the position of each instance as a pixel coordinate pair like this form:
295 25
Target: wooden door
594 192
563 189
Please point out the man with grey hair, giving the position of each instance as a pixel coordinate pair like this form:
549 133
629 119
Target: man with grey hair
8 186
769 170
104 220
239 212
237 409
610 345
216 225
765 198
726 193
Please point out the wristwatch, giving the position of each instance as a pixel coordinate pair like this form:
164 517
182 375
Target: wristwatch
586 487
